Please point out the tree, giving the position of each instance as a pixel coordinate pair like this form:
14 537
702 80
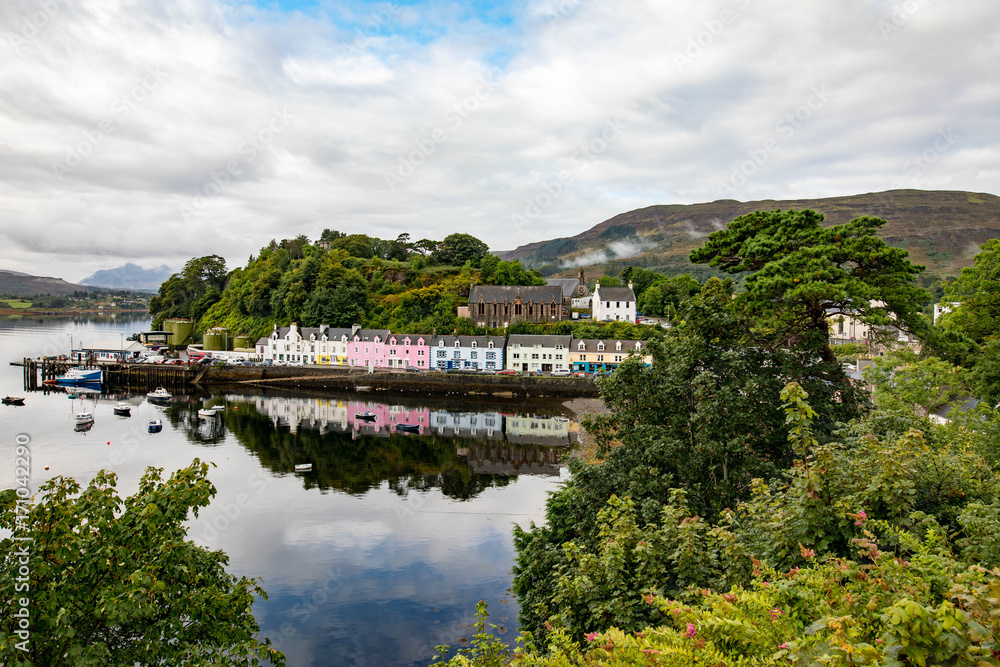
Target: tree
457 249
902 379
191 292
978 290
985 376
341 306
116 582
801 274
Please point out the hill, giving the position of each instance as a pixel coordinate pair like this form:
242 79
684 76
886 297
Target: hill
130 277
20 284
942 230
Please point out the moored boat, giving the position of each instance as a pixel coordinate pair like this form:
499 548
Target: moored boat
206 413
123 408
12 400
367 416
84 418
155 426
408 428
75 376
303 467
159 394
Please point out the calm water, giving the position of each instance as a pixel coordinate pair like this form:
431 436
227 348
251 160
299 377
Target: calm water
375 556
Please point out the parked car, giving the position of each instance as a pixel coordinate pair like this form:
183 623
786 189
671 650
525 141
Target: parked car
561 372
581 374
508 372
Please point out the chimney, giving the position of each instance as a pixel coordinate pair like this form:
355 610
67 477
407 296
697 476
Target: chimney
630 284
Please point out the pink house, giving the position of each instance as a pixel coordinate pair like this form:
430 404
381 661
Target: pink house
386 417
366 348
408 350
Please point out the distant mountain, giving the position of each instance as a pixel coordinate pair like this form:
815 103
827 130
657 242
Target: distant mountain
130 277
940 229
21 284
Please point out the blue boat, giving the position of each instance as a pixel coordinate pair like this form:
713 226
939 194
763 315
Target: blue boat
407 428
80 376
155 426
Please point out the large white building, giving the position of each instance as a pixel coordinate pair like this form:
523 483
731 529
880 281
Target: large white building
478 353
613 304
538 353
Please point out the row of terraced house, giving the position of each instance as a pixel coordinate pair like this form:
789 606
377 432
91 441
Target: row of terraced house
381 349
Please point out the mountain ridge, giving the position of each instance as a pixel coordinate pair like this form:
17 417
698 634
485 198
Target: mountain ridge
941 229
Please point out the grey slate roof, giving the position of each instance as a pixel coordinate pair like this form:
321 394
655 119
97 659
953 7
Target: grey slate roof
466 341
501 293
616 294
527 340
590 345
567 285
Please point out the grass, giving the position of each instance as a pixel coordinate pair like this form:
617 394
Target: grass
17 304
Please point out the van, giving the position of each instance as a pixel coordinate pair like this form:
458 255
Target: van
561 372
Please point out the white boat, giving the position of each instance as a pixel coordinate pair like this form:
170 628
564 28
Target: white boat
84 418
123 408
159 394
80 376
207 413
218 408
303 467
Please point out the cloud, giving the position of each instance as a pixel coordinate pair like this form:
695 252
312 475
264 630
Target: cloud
716 99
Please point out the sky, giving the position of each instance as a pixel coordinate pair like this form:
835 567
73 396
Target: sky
154 131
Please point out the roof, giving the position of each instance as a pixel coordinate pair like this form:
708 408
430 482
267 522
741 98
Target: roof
610 345
615 294
466 341
544 340
401 338
113 345
501 293
567 285
366 335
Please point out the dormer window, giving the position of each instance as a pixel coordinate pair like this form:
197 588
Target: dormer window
618 346
600 346
473 343
638 346
582 346
491 344
441 343
456 343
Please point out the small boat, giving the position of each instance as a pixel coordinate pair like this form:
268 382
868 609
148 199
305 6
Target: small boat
155 426
206 413
70 394
303 467
83 428
159 394
218 408
84 418
12 400
367 416
409 428
123 408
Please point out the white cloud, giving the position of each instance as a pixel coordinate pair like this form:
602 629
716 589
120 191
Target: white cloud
700 88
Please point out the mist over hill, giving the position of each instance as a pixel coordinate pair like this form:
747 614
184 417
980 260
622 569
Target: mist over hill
130 277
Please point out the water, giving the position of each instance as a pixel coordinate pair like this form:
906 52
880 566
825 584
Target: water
376 555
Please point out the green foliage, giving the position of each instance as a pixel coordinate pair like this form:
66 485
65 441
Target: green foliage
486 649
116 582
190 293
494 271
985 377
978 290
666 295
923 385
803 273
457 249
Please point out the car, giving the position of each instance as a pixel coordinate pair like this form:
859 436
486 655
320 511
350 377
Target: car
508 371
488 371
581 374
561 372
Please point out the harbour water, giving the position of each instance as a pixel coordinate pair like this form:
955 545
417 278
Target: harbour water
378 553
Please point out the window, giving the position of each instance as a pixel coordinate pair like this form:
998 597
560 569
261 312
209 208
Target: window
582 346
442 354
490 344
392 352
534 356
618 346
600 346
517 309
457 354
474 344
491 355
420 353
482 308
473 355
517 356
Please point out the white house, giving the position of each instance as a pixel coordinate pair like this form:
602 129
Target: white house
538 353
944 307
308 345
613 304
477 353
109 350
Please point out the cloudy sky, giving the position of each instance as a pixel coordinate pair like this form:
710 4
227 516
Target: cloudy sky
152 131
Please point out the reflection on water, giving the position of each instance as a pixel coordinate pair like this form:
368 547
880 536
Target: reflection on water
460 453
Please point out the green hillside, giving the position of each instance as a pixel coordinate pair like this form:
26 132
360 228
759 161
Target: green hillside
941 230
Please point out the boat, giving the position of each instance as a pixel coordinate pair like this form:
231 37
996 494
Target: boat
12 400
367 416
78 375
84 418
155 426
159 394
303 467
123 408
408 428
218 408
83 428
207 413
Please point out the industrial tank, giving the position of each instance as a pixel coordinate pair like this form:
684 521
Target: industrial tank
216 339
180 330
242 341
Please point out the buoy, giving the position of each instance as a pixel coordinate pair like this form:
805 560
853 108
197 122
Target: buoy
46 467
109 442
